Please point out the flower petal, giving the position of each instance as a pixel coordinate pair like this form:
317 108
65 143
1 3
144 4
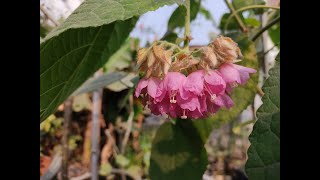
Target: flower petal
141 85
191 103
229 73
215 82
174 81
194 82
244 72
153 85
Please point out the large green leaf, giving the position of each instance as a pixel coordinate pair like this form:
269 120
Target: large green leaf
242 95
264 152
177 152
99 82
177 17
123 57
71 53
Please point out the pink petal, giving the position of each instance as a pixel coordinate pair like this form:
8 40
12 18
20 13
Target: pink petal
161 92
215 82
191 103
196 114
194 82
174 81
153 85
141 85
227 101
244 72
229 73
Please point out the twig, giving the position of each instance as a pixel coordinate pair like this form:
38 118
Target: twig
53 168
47 14
65 147
129 125
247 8
271 23
96 113
235 14
187 26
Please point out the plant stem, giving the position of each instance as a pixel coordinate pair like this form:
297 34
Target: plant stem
187 26
271 23
96 113
235 13
244 9
65 147
129 125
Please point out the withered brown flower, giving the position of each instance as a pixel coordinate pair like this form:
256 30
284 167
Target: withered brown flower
154 61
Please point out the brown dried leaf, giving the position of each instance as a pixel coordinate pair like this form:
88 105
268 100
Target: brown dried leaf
226 49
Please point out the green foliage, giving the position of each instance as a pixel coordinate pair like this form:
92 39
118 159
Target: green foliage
123 57
233 25
242 96
177 152
71 53
177 17
99 82
105 169
252 22
122 161
264 152
243 3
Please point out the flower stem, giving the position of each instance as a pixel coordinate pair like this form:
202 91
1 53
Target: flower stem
274 21
235 14
245 9
187 26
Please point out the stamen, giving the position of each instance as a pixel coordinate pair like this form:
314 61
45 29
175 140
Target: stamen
213 97
184 115
172 97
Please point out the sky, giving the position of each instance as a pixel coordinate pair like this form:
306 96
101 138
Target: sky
154 23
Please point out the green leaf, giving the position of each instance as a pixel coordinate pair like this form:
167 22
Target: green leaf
233 25
123 57
71 53
170 37
242 96
99 82
122 161
177 152
264 152
274 33
134 171
177 17
252 22
243 3
43 31
105 169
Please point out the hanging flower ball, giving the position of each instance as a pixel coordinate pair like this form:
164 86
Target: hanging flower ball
190 84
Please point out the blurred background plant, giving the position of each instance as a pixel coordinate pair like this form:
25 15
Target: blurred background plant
126 130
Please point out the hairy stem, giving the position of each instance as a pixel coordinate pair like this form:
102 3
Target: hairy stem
187 26
245 9
235 14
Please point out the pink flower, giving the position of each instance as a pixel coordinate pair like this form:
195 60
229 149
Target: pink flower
196 96
200 91
235 74
151 84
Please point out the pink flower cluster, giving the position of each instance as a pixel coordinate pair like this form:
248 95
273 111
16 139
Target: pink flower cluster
196 96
